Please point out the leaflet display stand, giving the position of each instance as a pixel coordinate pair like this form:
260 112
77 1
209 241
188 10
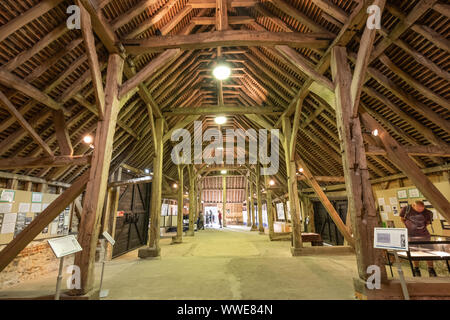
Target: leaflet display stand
395 239
107 237
63 247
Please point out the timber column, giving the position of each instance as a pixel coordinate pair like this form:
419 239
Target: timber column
98 178
269 206
252 206
360 195
179 237
247 202
292 187
224 200
153 249
258 198
190 232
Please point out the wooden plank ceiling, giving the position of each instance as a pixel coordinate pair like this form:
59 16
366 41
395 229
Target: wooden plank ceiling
406 89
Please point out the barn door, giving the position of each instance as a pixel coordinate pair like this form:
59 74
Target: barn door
325 225
132 227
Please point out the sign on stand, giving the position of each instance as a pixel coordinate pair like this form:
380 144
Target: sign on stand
394 239
63 247
391 239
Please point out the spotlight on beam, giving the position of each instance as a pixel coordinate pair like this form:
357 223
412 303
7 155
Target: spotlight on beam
375 132
223 172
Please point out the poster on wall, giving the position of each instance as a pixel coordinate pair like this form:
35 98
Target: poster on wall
288 210
413 193
395 211
9 223
402 194
36 207
280 211
7 196
5 207
36 197
24 207
264 212
20 223
164 209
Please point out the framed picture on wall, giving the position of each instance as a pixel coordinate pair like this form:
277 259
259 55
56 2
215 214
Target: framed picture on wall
413 193
402 194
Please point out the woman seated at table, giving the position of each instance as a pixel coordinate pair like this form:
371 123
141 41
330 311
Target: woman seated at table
416 219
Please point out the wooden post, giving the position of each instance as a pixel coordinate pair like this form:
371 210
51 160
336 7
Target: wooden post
292 188
360 197
199 202
190 232
252 207
224 200
12 184
98 179
308 211
246 200
180 200
269 207
153 249
113 194
258 199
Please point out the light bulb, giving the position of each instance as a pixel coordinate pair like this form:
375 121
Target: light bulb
272 182
223 172
375 132
88 139
220 120
222 72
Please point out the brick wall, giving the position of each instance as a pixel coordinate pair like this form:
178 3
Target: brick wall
35 260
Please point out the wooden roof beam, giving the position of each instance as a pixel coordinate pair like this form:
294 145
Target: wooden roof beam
226 110
52 162
211 4
33 13
12 109
362 62
94 67
226 38
12 81
147 71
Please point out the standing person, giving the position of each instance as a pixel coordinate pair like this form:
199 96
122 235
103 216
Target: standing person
220 219
416 219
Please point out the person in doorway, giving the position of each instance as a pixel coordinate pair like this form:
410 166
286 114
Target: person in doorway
200 222
416 219
220 219
207 218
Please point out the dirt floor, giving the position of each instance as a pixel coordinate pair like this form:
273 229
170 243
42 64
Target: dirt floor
230 263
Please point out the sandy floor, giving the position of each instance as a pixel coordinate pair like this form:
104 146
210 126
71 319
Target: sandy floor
218 264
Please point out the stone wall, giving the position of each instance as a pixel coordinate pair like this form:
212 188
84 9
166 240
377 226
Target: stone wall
35 260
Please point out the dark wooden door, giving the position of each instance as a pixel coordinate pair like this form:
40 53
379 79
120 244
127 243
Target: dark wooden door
132 228
324 224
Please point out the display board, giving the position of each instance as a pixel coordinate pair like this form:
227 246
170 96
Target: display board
391 201
18 208
280 211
